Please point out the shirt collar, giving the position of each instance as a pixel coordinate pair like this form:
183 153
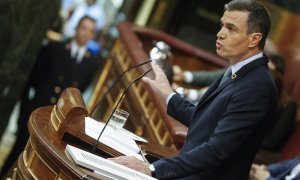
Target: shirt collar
237 66
75 48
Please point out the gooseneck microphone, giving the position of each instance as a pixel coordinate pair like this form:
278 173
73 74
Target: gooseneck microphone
115 82
116 106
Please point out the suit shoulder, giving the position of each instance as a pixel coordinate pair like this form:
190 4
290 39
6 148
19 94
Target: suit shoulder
55 44
258 80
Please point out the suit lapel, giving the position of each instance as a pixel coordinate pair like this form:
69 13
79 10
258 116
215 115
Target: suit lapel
87 54
215 89
67 49
210 90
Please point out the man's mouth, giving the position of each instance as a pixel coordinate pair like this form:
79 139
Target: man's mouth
218 45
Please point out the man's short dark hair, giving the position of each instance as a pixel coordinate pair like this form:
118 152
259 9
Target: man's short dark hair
259 19
83 18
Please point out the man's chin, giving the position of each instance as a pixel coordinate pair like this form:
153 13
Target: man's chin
219 52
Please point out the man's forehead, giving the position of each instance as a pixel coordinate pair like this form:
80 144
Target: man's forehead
235 16
87 22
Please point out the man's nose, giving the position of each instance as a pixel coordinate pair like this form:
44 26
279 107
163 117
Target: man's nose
221 34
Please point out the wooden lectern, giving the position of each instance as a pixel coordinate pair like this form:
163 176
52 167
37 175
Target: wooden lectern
51 129
44 157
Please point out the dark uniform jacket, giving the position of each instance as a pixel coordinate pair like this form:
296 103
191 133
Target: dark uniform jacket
53 72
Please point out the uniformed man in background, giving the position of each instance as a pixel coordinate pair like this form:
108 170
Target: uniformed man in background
59 65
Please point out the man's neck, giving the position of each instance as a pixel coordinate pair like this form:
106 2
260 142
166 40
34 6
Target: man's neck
79 45
248 55
235 67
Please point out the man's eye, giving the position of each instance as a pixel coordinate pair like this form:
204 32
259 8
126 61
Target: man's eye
230 28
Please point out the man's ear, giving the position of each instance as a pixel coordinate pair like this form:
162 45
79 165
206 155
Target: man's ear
255 39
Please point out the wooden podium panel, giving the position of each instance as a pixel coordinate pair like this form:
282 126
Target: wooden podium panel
42 159
44 156
147 110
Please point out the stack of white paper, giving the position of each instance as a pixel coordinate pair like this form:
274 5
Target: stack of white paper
103 166
112 138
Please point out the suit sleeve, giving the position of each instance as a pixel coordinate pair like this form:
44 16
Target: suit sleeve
279 168
271 178
42 62
246 112
39 69
180 109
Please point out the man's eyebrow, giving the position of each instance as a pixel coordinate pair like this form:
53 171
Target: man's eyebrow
228 25
231 25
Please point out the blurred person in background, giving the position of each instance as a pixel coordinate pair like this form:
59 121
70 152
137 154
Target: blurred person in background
91 8
59 65
287 170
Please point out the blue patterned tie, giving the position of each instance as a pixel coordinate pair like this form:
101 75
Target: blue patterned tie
226 76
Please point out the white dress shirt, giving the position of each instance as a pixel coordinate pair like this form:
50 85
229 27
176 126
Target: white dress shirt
77 52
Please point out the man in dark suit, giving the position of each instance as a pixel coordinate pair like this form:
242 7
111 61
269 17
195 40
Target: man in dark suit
59 65
288 170
228 124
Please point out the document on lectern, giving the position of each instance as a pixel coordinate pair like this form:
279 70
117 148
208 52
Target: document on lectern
112 138
103 166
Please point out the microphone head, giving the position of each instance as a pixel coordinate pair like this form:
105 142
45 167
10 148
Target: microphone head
161 55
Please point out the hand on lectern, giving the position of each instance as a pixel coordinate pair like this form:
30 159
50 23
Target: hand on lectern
133 163
160 84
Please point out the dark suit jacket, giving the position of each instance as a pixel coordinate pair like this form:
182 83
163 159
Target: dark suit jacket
53 72
225 129
280 170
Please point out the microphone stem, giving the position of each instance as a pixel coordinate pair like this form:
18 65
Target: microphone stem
115 82
114 109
